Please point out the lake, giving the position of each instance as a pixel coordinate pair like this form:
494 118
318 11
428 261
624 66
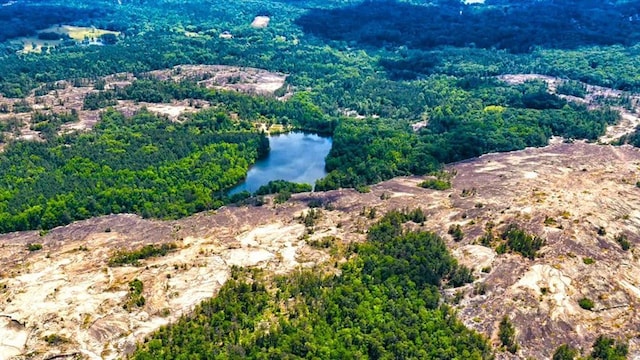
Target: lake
295 156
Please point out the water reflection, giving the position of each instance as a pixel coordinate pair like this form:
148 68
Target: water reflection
296 157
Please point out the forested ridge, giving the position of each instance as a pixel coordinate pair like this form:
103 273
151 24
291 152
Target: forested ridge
384 304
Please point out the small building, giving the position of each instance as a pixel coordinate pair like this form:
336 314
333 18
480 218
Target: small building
226 35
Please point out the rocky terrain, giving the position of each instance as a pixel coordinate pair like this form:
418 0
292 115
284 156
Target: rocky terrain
578 197
69 96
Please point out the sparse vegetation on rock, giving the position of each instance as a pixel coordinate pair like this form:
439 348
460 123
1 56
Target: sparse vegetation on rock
536 285
586 303
507 335
133 257
606 348
517 240
403 87
624 242
135 297
34 247
565 352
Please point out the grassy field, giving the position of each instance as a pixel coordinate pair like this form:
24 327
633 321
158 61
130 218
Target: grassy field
33 44
77 33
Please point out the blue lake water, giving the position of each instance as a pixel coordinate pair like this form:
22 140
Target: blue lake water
296 157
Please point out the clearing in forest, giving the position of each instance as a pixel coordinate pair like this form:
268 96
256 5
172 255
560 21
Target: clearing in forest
260 22
79 33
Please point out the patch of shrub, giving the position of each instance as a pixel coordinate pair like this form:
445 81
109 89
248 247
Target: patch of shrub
573 88
468 192
239 197
34 247
417 216
282 197
609 349
480 288
259 201
323 243
565 352
309 219
507 335
549 221
132 257
315 203
624 242
586 303
456 232
55 339
486 239
281 186
435 184
519 241
135 295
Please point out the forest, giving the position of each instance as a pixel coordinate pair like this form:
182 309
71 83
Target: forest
385 304
24 18
368 73
508 25
142 164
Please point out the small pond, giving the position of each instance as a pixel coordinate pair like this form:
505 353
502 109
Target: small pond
296 157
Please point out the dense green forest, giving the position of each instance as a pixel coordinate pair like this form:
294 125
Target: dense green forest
506 25
385 304
143 164
24 18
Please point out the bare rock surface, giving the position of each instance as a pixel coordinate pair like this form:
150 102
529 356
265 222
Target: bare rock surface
578 197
